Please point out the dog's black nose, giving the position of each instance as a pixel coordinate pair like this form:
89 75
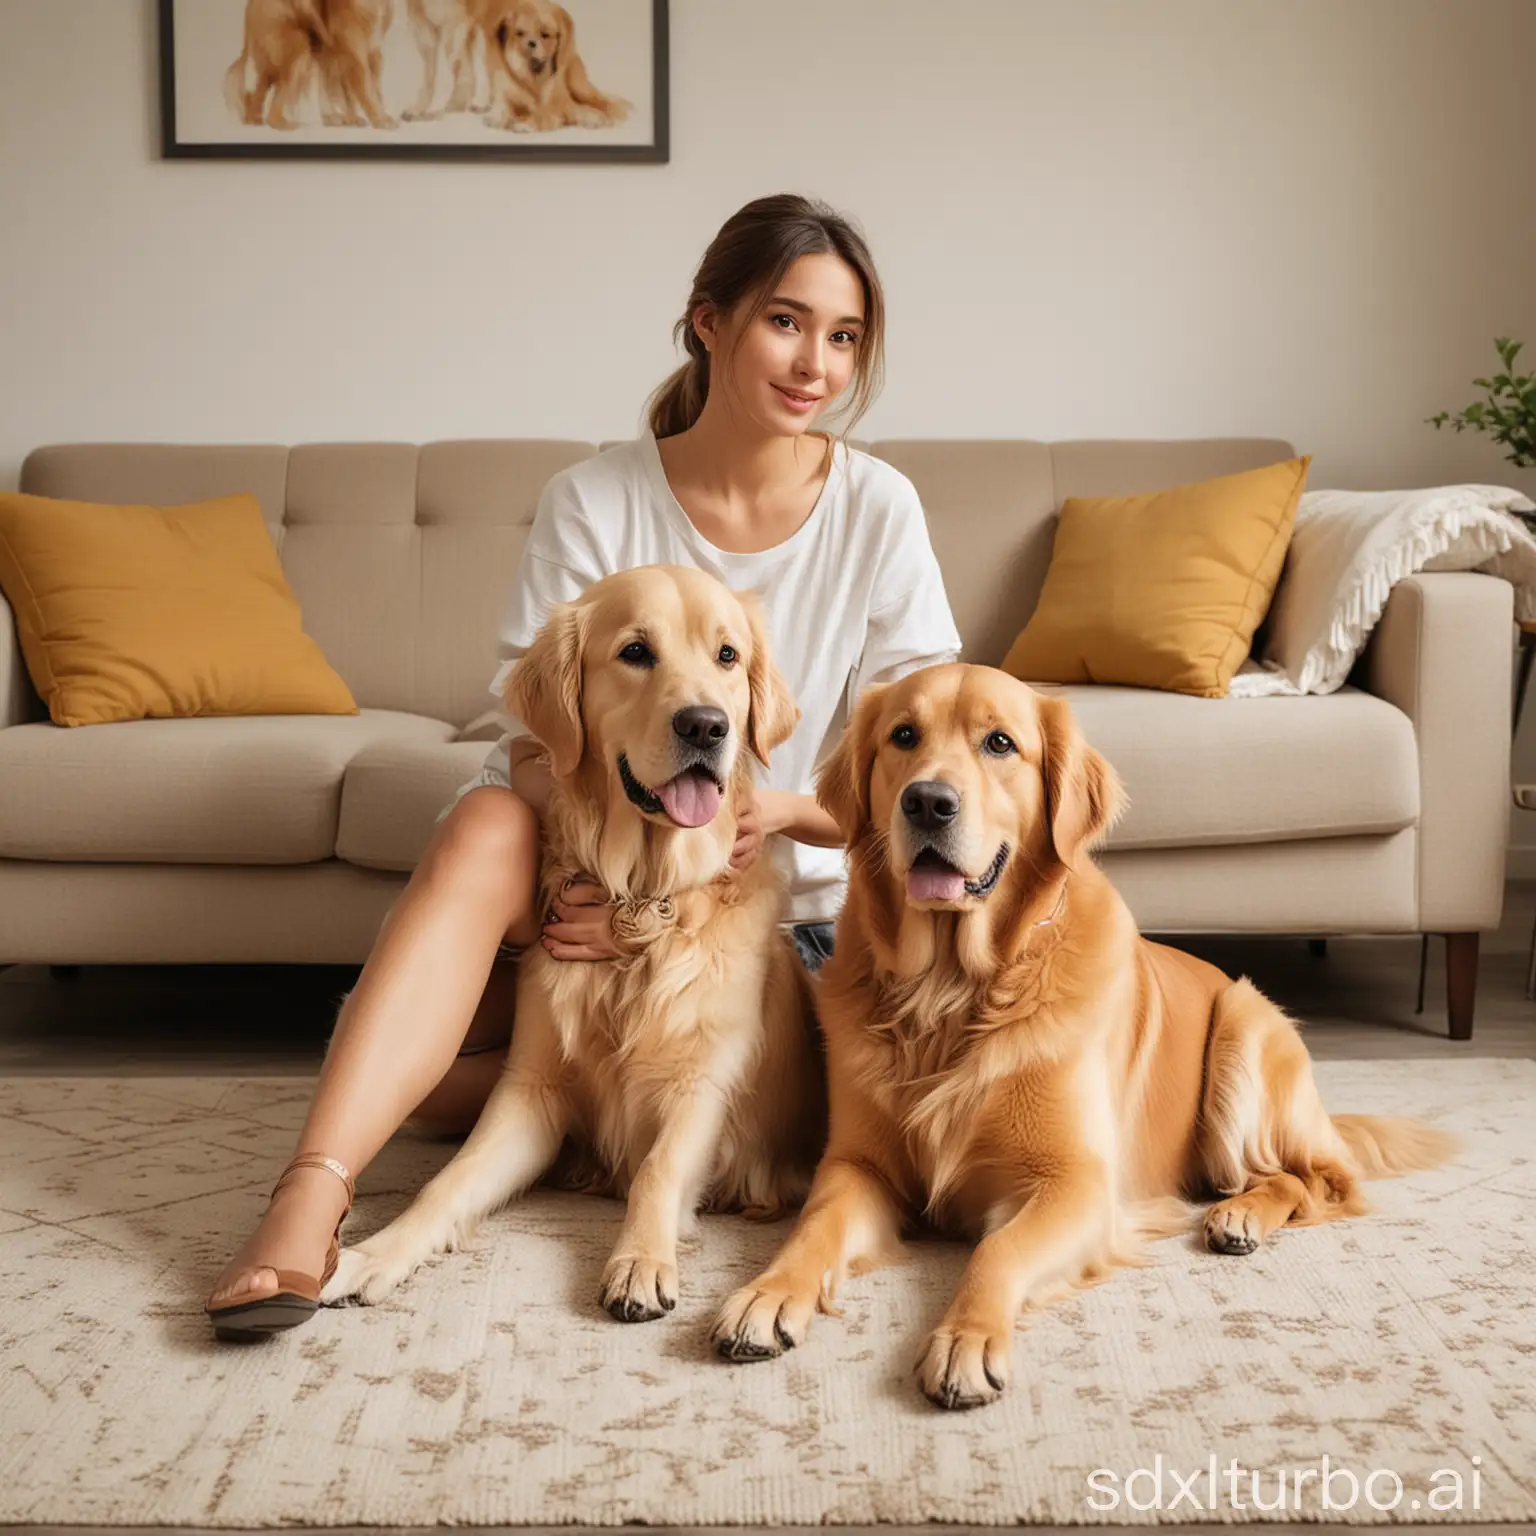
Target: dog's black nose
702 725
929 804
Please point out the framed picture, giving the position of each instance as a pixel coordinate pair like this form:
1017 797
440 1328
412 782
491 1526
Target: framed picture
414 79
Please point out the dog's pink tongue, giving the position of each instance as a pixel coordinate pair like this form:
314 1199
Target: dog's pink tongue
924 884
691 799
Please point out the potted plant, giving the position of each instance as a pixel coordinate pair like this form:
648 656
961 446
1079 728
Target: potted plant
1508 415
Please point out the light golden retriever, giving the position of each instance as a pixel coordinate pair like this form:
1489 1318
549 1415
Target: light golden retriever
538 81
295 46
450 34
690 1068
1008 1057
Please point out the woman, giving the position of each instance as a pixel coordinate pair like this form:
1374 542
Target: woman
786 316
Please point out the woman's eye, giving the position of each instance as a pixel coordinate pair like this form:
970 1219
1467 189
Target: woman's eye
1000 744
638 654
905 737
848 338
789 318
727 656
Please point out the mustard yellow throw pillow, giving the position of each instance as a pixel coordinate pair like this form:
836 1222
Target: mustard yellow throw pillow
1164 590
126 613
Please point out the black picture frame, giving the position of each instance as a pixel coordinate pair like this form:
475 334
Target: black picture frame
518 147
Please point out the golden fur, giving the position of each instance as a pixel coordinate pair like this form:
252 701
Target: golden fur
537 79
689 1069
1015 1063
294 46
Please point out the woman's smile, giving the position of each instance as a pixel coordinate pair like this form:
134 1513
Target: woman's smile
798 400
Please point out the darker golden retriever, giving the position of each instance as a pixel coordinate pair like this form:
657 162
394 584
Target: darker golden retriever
295 46
1008 1057
689 1069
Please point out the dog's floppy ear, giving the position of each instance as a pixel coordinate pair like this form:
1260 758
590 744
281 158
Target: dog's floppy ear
563 42
544 690
1084 797
842 780
774 714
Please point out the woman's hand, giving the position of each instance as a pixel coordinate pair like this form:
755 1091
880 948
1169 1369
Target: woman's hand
582 925
750 830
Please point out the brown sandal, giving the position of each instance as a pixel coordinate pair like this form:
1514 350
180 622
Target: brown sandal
297 1297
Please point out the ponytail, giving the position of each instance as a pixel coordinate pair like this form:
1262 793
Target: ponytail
676 404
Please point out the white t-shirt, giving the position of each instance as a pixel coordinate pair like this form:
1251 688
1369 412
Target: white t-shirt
852 597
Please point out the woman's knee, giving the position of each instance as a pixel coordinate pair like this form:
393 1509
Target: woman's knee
488 821
489 840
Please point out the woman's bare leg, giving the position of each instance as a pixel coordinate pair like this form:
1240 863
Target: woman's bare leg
452 1107
402 1024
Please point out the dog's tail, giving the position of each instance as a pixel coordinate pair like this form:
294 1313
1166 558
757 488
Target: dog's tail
1384 1146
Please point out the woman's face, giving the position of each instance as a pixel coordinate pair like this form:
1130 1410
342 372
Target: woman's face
787 364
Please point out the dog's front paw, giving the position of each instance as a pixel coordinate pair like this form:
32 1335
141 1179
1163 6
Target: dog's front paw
637 1290
761 1321
964 1367
365 1274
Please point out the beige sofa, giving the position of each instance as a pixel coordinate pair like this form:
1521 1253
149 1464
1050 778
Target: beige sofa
1379 809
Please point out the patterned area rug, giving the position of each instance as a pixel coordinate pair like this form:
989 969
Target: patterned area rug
491 1389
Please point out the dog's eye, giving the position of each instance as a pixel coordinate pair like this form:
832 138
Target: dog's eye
727 656
905 737
638 654
1000 744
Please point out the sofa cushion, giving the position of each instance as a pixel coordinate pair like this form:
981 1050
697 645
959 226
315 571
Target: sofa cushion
392 796
1164 589
250 789
143 612
1216 771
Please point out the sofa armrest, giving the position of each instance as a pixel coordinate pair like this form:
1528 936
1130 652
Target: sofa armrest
18 702
1443 654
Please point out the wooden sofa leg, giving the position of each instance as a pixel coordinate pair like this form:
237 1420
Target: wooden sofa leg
1461 981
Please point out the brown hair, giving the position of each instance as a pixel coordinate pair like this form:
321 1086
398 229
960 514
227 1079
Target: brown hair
752 251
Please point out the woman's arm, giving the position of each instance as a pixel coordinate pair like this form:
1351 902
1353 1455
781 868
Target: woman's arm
530 775
798 817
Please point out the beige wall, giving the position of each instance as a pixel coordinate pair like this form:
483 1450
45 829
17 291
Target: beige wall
1305 218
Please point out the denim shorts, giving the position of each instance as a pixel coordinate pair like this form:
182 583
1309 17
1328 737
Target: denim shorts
814 942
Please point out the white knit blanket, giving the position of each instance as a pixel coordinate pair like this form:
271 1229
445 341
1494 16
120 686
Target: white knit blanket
1350 547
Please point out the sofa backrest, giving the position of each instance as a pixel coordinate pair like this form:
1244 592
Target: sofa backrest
401 556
